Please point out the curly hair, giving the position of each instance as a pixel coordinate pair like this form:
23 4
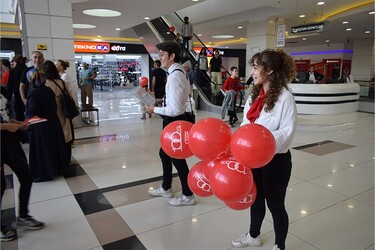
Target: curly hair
283 70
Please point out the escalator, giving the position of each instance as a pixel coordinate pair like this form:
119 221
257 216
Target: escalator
158 30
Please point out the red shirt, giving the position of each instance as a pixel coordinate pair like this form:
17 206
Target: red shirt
232 83
5 78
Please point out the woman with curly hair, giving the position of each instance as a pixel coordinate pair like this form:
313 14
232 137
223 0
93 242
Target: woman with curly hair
271 105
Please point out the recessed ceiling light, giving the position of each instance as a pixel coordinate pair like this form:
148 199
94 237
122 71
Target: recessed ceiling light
199 34
304 38
372 12
302 15
98 36
102 12
348 29
118 29
241 38
367 32
345 22
147 18
226 47
327 41
320 3
195 0
240 27
222 36
83 26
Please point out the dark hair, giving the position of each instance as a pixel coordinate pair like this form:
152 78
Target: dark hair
63 63
158 63
233 68
172 48
50 70
283 70
203 51
5 62
19 59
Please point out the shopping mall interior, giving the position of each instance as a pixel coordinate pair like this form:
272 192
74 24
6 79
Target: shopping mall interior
102 201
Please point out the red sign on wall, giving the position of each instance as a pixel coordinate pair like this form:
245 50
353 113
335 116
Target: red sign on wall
91 47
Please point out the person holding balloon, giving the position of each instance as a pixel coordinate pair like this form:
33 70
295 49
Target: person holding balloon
271 105
176 95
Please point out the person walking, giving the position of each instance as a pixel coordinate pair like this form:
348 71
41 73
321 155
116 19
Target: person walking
215 72
272 105
177 94
186 32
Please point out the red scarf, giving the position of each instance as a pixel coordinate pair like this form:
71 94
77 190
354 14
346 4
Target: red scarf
257 107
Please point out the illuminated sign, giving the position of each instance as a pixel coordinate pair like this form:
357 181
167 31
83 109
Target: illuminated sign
315 27
117 47
91 47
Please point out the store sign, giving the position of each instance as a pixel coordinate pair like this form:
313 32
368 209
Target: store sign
315 27
118 48
91 47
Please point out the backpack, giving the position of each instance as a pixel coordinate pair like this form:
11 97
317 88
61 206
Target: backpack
69 106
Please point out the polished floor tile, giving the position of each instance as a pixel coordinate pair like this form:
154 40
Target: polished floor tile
102 201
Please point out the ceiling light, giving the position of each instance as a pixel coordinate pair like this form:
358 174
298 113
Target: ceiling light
98 36
83 26
147 18
345 22
302 15
367 32
222 36
327 41
118 29
102 12
199 34
240 27
195 0
372 12
348 29
320 3
304 38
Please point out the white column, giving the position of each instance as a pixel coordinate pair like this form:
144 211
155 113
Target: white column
48 23
260 36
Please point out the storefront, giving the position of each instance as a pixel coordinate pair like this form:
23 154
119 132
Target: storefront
115 64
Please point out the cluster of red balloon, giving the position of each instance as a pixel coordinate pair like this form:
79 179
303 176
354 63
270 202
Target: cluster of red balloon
226 159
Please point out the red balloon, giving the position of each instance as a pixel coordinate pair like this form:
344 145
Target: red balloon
198 182
171 29
174 139
253 145
246 202
210 139
231 181
207 169
143 81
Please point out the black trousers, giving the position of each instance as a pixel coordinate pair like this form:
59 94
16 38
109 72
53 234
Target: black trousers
13 155
180 164
272 182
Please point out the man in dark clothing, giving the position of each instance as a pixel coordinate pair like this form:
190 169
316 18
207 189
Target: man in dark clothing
159 78
215 71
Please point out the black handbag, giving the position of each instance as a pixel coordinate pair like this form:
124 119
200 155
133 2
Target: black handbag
190 116
69 106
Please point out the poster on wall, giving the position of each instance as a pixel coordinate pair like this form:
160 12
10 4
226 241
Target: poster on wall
280 38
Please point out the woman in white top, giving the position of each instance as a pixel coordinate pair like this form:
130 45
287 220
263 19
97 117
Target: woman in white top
70 82
271 105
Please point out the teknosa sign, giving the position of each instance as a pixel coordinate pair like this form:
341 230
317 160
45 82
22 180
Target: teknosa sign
91 47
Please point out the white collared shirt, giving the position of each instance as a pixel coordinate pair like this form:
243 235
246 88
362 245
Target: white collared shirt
312 77
281 121
177 91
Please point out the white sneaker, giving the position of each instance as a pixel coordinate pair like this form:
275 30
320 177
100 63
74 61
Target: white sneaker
246 240
182 200
160 192
276 247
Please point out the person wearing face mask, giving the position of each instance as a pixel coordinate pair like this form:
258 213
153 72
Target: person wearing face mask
271 105
47 153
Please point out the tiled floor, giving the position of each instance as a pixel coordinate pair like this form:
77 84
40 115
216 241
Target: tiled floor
103 202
